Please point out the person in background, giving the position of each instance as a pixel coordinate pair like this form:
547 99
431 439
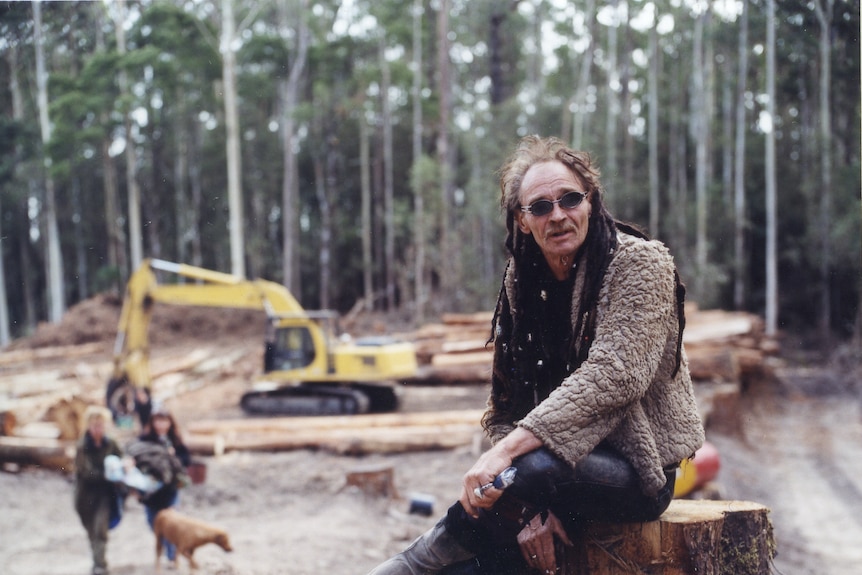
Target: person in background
169 465
591 398
94 494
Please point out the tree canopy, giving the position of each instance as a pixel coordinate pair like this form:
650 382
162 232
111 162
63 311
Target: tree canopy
671 99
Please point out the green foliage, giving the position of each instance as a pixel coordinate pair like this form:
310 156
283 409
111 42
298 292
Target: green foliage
173 72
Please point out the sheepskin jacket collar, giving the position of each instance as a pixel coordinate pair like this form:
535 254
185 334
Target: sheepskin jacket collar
627 393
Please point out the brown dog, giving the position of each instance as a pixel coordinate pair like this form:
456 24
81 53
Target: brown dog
187 534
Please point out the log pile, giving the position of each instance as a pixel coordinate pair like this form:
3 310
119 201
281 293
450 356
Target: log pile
351 434
721 346
44 390
727 352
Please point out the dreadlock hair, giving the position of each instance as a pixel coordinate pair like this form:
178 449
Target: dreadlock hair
514 378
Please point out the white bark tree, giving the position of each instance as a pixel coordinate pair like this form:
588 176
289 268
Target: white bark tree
823 9
699 119
234 156
388 183
771 207
654 199
740 220
54 258
418 197
136 238
289 98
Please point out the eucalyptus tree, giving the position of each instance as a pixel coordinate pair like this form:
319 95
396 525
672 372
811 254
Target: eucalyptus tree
298 35
171 66
21 169
740 215
769 164
54 261
17 148
417 68
133 186
824 10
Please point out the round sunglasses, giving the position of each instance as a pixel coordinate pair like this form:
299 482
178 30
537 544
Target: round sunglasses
567 201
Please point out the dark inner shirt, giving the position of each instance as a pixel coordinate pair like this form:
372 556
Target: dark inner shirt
555 325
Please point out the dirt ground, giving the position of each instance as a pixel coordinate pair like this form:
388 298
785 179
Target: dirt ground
797 449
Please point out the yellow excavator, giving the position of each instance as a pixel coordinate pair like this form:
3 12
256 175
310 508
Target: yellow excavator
308 368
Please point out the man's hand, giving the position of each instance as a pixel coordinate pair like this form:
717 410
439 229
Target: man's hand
536 540
489 465
483 472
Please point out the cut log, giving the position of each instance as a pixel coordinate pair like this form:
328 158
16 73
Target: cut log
712 363
479 318
691 537
376 481
452 375
68 415
482 358
350 422
50 453
7 423
357 441
31 356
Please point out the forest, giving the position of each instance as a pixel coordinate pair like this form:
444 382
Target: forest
349 149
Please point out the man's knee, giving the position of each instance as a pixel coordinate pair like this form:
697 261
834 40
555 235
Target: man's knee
540 472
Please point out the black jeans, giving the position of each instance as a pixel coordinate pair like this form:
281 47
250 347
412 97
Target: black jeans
603 487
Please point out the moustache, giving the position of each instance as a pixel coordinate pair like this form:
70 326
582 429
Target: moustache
560 229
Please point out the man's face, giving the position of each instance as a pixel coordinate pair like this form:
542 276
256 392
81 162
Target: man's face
561 233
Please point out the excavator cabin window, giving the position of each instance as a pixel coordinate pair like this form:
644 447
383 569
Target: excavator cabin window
292 348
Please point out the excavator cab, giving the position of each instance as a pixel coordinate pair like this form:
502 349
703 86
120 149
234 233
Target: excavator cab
290 348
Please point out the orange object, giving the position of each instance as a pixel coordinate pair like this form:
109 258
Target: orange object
707 462
693 474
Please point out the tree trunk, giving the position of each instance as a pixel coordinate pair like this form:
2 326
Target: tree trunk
5 336
54 260
418 192
699 133
365 177
234 158
136 245
289 90
184 216
610 169
771 208
11 54
444 88
654 67
388 184
823 9
196 189
739 212
321 179
582 117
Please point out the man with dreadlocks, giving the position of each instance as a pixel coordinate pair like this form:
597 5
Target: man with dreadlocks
591 399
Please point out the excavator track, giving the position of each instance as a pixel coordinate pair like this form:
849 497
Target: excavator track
309 399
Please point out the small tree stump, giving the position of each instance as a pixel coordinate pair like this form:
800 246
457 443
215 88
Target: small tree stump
7 423
374 481
692 537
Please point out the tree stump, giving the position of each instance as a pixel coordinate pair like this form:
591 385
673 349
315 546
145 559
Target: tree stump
373 481
691 537
7 423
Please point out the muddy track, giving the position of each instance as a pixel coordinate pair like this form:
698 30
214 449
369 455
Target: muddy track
801 454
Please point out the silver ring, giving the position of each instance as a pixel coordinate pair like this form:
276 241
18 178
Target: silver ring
533 556
479 493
